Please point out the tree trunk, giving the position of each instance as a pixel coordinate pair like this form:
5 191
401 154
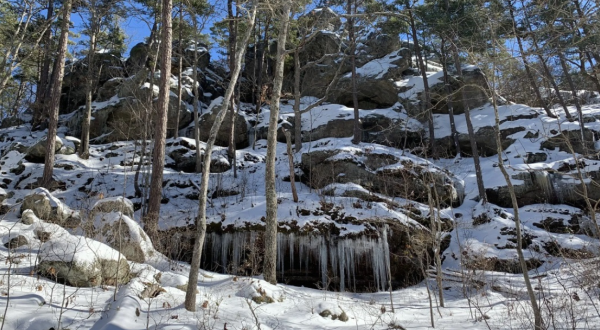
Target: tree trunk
290 154
232 105
423 69
180 74
351 8
478 173
297 93
56 86
190 294
513 198
84 149
160 130
270 260
44 83
565 68
530 77
448 100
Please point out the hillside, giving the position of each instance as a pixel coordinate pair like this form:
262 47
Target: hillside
363 222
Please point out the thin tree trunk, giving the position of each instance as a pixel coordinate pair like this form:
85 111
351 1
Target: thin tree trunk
270 260
42 87
475 153
513 198
84 150
530 77
259 88
297 93
288 140
351 8
563 64
160 130
56 86
448 100
423 69
232 105
180 74
190 294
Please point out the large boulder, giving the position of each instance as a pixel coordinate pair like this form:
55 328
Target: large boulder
375 87
320 19
138 55
377 45
372 93
380 172
556 185
319 44
242 139
122 233
107 65
114 204
123 120
81 262
47 207
37 152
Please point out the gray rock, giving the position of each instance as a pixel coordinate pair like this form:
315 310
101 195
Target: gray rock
114 204
37 152
242 139
80 262
16 242
44 206
373 172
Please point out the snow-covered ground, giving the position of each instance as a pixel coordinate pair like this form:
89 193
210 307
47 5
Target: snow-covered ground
566 286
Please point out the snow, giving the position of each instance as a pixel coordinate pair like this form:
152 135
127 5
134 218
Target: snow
475 298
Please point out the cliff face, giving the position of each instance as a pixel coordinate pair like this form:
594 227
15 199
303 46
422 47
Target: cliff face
361 206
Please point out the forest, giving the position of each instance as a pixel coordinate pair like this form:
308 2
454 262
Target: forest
280 164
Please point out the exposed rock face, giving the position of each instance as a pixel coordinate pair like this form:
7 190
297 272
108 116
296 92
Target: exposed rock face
485 137
123 120
380 173
378 45
553 186
320 19
566 140
37 152
137 57
107 66
347 266
319 44
375 82
473 84
207 120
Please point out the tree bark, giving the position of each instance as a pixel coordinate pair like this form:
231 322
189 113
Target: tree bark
190 294
84 149
290 154
423 69
160 130
180 73
448 100
56 86
530 77
351 9
270 260
475 153
44 83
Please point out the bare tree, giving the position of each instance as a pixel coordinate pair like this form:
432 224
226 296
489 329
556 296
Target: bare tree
270 261
56 86
190 294
160 130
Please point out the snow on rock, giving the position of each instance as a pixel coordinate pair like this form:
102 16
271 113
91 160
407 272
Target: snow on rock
45 206
80 261
122 233
330 309
114 204
260 291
